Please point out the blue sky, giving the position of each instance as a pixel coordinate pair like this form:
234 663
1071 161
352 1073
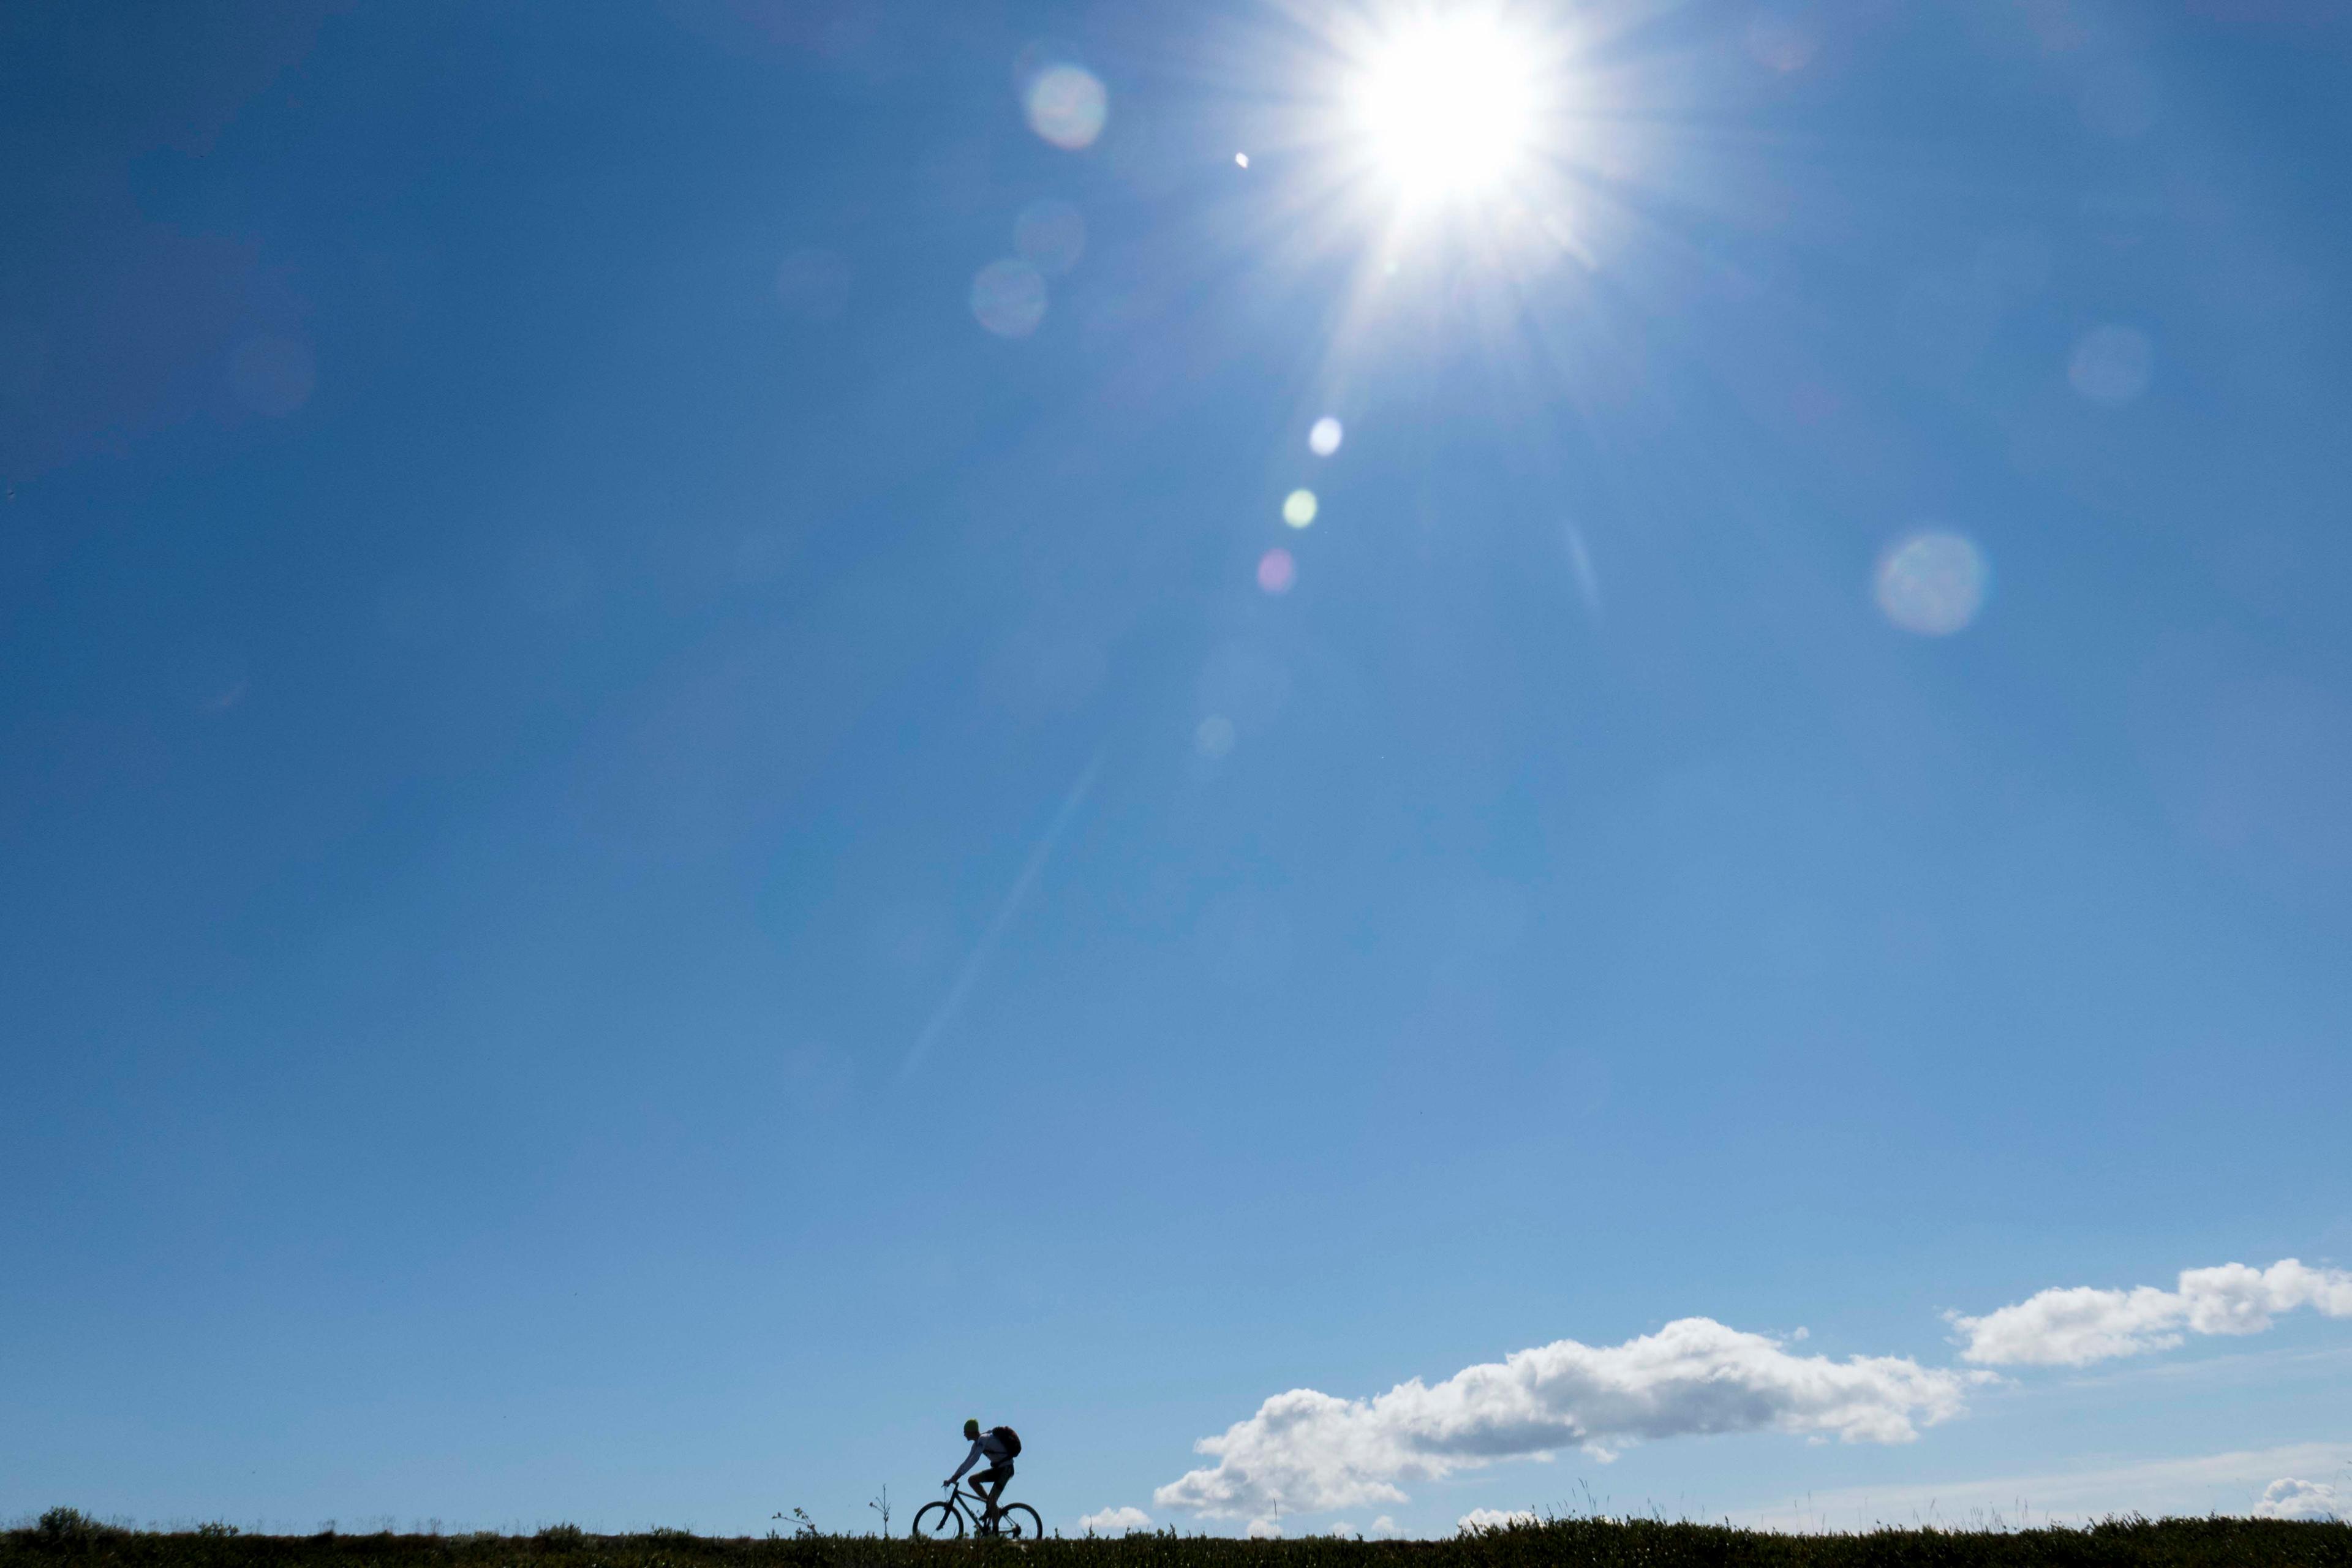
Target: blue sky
665 821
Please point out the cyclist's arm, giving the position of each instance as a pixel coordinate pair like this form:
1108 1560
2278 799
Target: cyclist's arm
969 1461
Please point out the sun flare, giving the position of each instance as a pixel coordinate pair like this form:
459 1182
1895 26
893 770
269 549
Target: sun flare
1447 105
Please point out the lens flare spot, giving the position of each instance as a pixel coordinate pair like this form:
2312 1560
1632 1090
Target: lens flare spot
2121 102
814 284
1325 438
2111 366
272 376
1067 105
1277 572
1050 236
1299 508
1008 298
1933 584
1783 40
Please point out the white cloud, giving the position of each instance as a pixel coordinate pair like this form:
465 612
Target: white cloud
1384 1525
1479 1519
1265 1530
2227 1483
1114 1521
1306 1452
2074 1326
2288 1497
1343 1531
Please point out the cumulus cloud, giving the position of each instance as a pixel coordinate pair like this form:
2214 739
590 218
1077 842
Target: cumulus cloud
1265 1530
1307 1452
1114 1521
2288 1497
1479 1519
2224 1483
2071 1327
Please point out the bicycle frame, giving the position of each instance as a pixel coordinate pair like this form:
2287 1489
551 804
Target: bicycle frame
977 1518
955 1513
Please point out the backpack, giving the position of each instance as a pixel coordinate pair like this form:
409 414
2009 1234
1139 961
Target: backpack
1010 1438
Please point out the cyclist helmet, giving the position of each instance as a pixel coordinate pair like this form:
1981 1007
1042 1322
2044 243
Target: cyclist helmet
972 1430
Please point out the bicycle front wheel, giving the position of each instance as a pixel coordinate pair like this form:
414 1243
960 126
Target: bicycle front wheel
940 1521
1018 1521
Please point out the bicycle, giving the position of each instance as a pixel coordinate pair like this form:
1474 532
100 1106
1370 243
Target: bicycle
947 1518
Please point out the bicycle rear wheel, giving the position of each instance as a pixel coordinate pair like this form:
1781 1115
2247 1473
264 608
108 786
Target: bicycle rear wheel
938 1522
1018 1521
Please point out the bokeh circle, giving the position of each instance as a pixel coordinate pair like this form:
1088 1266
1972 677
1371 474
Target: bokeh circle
1050 236
1933 584
1277 572
1067 105
2111 366
1008 298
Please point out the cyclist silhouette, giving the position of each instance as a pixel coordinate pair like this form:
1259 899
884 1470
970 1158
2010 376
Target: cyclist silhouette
997 1446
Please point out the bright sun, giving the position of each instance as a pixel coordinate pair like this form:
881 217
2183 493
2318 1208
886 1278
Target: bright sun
1448 105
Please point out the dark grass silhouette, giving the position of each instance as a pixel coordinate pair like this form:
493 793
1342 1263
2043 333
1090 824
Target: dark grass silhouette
66 1537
